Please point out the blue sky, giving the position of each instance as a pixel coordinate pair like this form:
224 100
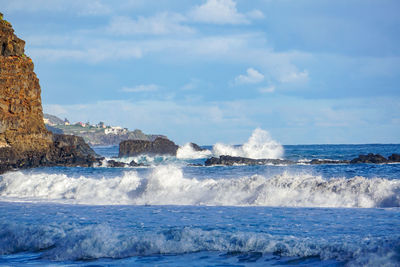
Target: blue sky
308 71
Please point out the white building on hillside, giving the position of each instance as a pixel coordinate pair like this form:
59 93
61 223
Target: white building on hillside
115 130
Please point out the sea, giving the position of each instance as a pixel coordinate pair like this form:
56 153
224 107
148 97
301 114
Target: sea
174 212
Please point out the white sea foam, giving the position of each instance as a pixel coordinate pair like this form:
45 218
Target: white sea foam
187 152
259 146
66 241
166 185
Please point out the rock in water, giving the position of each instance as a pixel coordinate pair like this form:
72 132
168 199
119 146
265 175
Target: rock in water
394 158
229 161
160 146
24 140
196 147
370 158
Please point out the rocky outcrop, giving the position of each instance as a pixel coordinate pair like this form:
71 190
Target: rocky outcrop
11 45
229 161
70 150
21 116
24 140
196 147
394 158
160 146
370 158
65 150
328 161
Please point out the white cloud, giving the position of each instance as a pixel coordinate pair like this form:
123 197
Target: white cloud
193 84
104 51
160 24
255 14
294 77
251 76
269 89
218 12
141 88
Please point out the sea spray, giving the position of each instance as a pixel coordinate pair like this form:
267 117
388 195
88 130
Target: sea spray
167 185
259 146
187 152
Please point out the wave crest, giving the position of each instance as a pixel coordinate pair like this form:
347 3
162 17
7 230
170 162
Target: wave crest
166 185
68 241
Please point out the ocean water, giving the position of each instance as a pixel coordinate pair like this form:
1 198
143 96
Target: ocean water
174 214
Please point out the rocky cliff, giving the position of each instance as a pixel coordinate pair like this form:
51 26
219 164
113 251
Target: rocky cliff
24 140
21 116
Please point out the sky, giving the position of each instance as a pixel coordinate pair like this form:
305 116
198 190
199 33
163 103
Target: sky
207 71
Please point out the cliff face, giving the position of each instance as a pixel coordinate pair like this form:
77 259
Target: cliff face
21 117
24 139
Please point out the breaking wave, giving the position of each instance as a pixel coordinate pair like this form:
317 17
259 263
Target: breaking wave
166 185
259 146
187 152
66 241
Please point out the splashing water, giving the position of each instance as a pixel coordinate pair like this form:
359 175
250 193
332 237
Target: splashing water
259 146
187 152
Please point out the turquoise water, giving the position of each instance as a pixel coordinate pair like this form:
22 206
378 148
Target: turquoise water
172 214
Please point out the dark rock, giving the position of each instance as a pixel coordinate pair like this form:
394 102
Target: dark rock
115 164
196 147
70 150
160 146
370 158
135 164
195 165
394 158
327 161
66 150
229 161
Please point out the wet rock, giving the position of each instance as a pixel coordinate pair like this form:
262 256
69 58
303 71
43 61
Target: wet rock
70 150
196 147
195 165
326 161
115 164
160 146
394 158
135 164
370 158
229 161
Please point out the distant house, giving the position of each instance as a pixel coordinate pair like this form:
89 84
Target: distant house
115 130
66 122
48 122
80 124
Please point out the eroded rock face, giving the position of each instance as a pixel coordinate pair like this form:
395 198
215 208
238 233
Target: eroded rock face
24 140
10 44
160 146
21 115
